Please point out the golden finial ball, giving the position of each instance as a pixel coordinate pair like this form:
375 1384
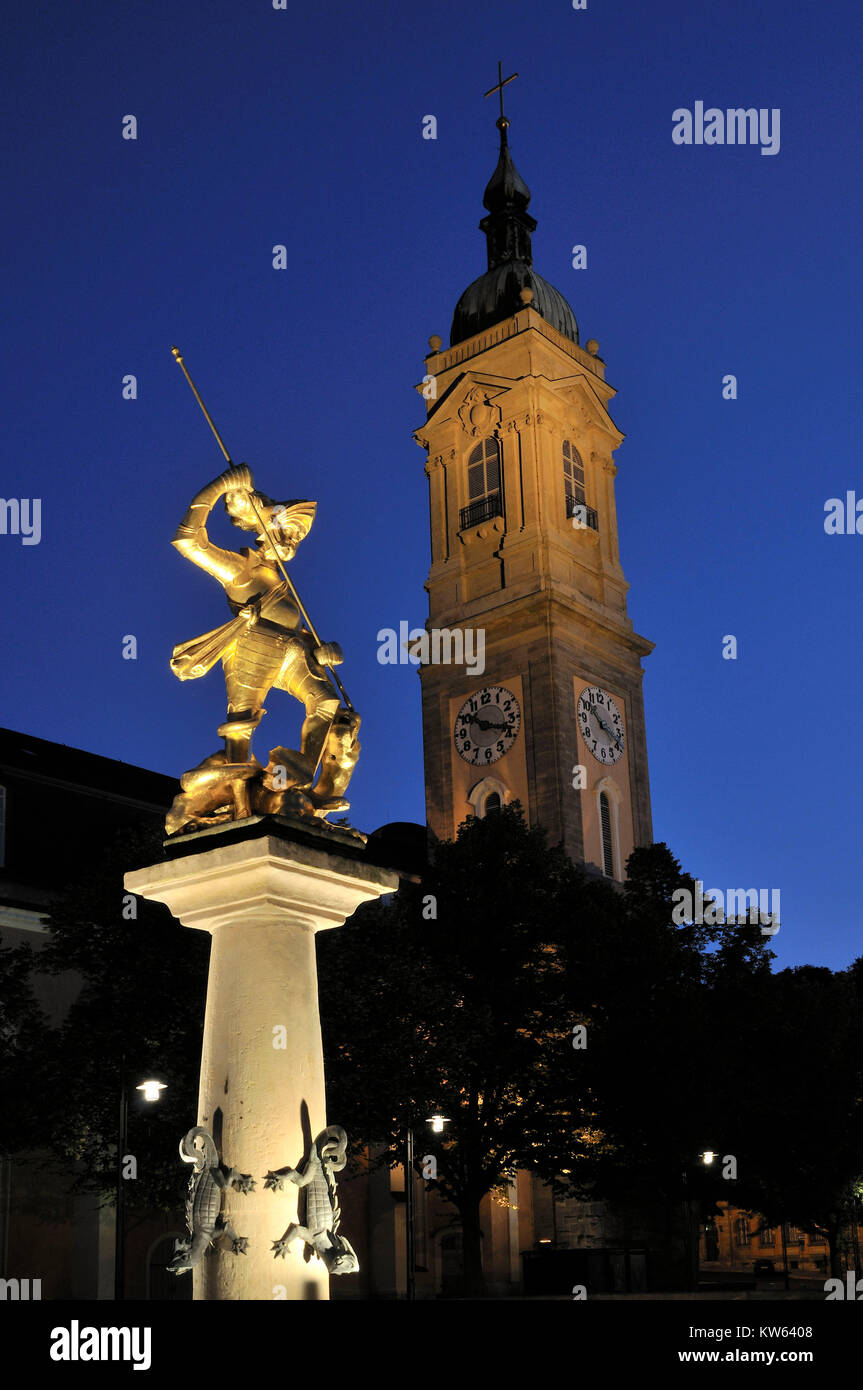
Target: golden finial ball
592 346
526 295
435 342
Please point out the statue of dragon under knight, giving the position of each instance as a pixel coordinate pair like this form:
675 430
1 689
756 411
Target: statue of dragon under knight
268 644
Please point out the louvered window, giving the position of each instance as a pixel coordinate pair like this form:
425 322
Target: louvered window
573 476
607 835
483 470
483 484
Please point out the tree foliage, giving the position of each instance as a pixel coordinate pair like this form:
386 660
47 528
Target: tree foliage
139 1013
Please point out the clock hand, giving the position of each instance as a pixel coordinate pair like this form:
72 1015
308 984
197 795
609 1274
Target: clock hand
602 724
484 723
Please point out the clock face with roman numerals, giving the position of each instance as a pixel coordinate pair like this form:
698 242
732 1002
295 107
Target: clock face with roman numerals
487 725
601 725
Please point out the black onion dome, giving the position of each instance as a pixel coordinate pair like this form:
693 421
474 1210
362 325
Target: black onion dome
506 188
508 225
495 296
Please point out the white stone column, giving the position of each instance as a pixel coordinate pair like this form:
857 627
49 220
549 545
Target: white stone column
262 899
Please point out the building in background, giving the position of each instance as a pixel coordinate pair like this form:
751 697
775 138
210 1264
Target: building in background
58 805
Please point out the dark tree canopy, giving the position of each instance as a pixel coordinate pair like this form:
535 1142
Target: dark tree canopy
139 1011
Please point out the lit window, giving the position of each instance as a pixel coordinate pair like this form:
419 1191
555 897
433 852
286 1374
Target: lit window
741 1230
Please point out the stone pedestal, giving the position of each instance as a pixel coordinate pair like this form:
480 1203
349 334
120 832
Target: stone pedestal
262 891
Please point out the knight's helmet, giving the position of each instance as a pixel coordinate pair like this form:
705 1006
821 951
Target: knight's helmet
287 522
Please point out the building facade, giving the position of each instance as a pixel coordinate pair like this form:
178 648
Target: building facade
58 807
525 558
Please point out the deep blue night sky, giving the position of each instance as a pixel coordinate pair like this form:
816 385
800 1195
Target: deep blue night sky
304 127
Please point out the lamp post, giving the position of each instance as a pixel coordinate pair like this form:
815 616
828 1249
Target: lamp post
437 1123
410 1253
151 1090
707 1157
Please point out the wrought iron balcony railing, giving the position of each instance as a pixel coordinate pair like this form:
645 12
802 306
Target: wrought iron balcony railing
582 515
480 511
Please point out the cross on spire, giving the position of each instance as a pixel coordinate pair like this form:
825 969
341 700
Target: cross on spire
498 87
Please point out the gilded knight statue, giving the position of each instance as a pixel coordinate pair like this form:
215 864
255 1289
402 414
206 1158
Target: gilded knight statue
268 644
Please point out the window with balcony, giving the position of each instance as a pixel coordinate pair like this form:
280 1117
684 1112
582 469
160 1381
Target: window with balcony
574 489
741 1230
483 485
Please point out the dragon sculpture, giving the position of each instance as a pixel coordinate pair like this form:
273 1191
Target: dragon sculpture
209 1180
319 1209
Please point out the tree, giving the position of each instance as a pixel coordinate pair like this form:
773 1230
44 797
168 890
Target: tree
462 1011
658 996
804 1111
473 1012
22 1040
139 1010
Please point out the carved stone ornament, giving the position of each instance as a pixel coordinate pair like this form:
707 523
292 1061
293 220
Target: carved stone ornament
477 413
479 533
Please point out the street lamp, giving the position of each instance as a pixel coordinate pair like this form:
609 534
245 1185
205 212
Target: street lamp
437 1122
152 1090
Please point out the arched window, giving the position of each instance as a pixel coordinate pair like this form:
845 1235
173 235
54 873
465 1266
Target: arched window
573 475
607 831
483 484
488 795
574 488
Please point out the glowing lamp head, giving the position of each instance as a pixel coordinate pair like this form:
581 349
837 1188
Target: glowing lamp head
437 1123
151 1089
708 1156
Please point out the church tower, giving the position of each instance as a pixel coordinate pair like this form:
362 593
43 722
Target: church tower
525 567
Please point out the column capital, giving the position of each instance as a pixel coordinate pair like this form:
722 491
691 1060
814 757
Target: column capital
270 879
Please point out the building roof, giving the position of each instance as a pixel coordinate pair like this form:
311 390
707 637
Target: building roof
38 759
497 294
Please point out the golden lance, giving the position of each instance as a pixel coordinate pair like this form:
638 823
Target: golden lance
287 578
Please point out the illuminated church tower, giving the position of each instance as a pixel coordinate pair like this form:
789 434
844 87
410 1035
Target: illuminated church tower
525 550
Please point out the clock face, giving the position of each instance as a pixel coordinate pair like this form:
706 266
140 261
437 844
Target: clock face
601 725
487 725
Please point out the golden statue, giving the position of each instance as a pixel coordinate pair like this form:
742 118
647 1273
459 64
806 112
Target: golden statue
268 644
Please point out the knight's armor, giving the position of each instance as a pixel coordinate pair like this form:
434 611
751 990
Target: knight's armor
265 646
